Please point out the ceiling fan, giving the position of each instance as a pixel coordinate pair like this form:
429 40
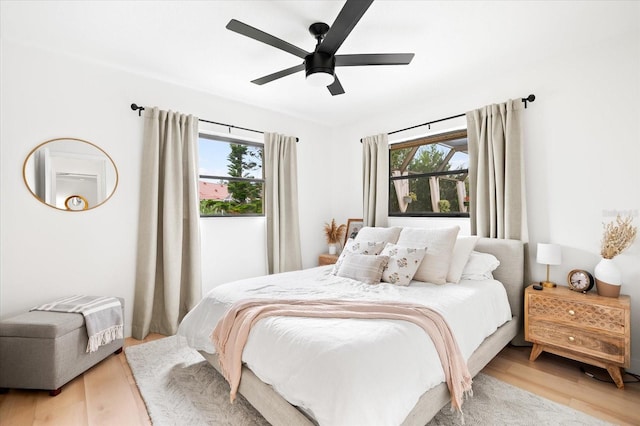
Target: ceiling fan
320 64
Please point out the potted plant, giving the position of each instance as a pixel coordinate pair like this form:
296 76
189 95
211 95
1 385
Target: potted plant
617 237
334 234
410 197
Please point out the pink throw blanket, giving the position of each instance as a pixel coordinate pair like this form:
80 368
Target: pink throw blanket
232 331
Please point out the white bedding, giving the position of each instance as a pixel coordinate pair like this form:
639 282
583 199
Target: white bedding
351 372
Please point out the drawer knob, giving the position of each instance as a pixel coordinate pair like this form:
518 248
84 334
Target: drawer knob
572 312
572 339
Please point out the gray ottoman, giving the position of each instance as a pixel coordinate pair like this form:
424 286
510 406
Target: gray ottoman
45 350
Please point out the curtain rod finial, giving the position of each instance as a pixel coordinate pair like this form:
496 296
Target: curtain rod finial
529 98
137 108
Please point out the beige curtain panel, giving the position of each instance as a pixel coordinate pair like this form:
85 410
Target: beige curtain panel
281 203
496 171
168 282
375 179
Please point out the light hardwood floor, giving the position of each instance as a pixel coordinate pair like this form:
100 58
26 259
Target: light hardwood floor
107 394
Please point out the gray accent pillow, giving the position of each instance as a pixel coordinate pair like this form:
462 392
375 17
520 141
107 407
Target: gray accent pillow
362 267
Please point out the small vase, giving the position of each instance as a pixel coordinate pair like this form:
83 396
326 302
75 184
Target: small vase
608 278
333 249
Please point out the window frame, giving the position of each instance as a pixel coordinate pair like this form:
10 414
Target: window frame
424 141
214 138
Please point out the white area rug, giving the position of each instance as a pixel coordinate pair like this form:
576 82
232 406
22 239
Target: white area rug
180 388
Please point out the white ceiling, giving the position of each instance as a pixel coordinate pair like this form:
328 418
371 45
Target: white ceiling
186 43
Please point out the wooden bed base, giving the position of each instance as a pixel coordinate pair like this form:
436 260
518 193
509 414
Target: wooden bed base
279 412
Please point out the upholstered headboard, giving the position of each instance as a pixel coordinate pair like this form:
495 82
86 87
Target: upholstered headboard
510 253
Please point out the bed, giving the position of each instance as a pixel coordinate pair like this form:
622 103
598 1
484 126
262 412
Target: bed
276 364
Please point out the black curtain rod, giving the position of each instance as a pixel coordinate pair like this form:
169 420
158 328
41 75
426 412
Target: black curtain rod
230 126
529 98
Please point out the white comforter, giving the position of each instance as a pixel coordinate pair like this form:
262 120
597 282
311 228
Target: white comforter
357 371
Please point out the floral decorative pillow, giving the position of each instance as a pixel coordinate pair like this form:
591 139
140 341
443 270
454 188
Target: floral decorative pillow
358 247
403 263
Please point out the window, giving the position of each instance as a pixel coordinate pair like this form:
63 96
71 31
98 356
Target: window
231 179
430 176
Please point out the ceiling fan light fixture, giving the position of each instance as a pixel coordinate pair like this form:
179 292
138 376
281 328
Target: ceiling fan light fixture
321 78
319 68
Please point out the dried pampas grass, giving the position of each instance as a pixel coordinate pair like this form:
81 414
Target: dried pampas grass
333 232
617 237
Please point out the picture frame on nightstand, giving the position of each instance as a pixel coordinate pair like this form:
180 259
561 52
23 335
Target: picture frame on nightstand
353 227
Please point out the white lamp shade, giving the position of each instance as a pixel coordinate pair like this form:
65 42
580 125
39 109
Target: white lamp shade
320 79
549 254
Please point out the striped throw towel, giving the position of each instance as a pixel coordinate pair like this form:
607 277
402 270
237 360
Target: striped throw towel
102 317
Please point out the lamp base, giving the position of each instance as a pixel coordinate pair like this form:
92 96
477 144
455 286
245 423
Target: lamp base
547 284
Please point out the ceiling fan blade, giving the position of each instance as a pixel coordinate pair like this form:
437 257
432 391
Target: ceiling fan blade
277 75
335 88
256 34
374 59
342 26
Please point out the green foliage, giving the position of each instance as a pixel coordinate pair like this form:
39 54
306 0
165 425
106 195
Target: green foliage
444 206
428 159
397 157
242 161
229 208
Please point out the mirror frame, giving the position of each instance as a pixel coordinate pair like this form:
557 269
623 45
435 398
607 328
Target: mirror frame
31 190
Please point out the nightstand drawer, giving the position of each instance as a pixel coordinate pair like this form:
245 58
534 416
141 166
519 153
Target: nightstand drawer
585 314
605 347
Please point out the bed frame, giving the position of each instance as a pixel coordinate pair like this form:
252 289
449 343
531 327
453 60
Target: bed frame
277 411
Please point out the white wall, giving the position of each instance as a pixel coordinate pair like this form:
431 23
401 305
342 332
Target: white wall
582 153
48 253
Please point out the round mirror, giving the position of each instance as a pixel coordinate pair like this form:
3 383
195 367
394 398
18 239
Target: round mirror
70 174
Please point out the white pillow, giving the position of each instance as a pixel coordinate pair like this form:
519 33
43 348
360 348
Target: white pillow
359 247
461 251
480 266
403 263
362 267
439 243
377 233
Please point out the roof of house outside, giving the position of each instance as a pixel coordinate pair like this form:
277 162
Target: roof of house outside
212 191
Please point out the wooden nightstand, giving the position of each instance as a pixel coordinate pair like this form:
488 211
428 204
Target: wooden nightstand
327 259
584 327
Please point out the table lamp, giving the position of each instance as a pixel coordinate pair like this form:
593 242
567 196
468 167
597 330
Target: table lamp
549 254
